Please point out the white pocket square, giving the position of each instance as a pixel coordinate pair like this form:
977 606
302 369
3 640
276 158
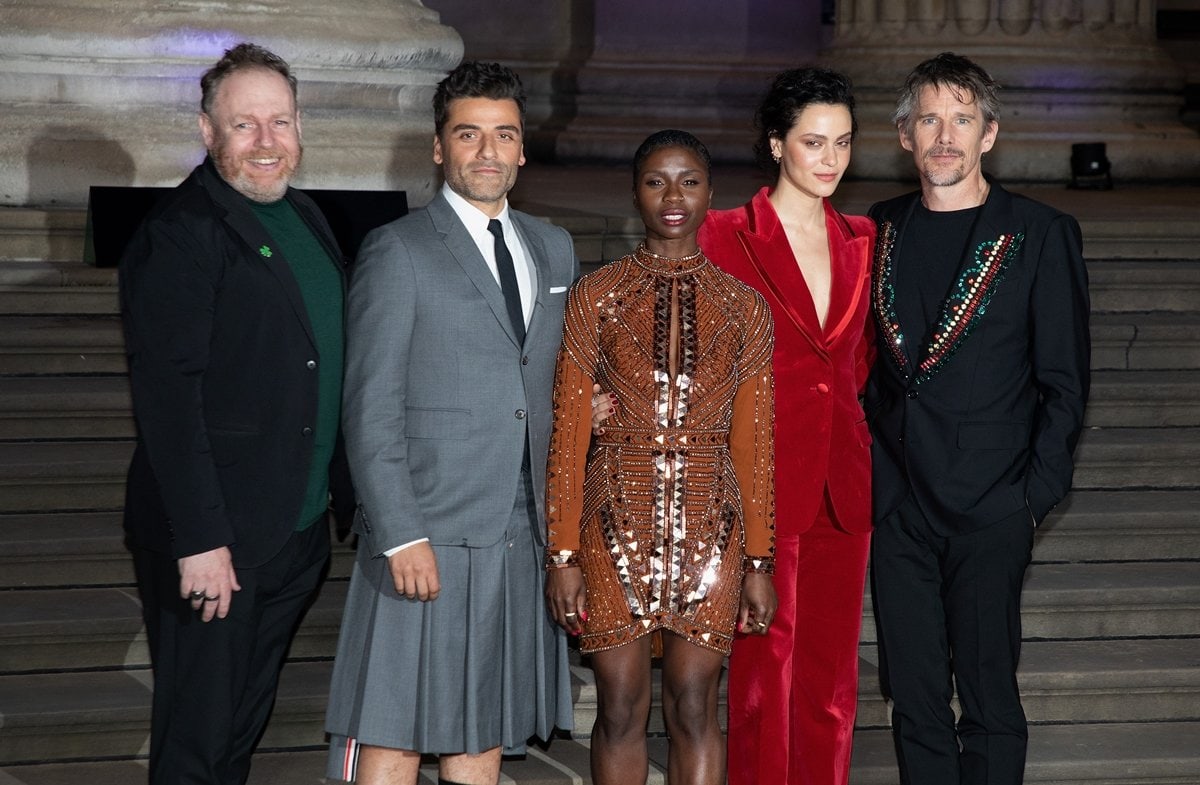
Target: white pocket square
557 289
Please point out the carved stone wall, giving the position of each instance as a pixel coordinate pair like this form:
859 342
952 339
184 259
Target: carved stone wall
107 91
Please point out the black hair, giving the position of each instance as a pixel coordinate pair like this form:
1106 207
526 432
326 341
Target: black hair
790 93
474 79
670 137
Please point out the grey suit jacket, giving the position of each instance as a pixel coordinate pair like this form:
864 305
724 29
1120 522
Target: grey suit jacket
439 398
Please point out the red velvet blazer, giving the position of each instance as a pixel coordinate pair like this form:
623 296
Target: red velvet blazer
821 436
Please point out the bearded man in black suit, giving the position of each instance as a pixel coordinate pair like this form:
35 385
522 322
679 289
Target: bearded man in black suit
976 402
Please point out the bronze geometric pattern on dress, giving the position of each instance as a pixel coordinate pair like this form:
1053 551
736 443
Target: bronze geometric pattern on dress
655 505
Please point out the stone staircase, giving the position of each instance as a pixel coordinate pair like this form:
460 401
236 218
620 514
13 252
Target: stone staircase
1111 667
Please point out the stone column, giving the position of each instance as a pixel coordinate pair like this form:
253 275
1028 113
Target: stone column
107 91
1072 71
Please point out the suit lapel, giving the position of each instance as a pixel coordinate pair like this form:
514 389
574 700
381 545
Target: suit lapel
849 276
539 268
246 226
766 246
460 245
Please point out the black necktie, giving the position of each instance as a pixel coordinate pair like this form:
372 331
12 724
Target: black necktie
508 281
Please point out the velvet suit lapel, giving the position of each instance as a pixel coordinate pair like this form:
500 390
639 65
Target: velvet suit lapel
460 245
770 253
849 276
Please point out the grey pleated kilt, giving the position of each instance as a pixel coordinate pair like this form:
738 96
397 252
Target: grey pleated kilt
481 666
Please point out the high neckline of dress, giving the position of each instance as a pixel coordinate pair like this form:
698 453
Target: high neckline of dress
666 265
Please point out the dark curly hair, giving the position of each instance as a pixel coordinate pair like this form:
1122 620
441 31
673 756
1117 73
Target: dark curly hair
790 93
962 76
474 79
242 57
670 137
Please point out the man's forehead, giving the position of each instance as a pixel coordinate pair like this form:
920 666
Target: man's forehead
483 111
937 93
256 85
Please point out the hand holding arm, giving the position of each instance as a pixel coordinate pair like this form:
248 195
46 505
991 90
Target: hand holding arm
604 405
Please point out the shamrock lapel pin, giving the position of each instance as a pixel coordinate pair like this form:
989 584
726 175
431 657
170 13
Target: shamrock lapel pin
265 251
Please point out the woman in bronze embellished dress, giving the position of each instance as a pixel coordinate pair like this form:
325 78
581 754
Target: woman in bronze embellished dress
660 530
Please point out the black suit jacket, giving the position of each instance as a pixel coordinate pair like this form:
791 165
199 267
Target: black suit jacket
222 365
983 420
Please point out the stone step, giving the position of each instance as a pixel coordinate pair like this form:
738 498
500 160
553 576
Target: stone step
69 549
1121 526
1146 341
1111 600
65 407
63 549
1150 753
46 476
1148 399
33 234
61 345
1104 754
57 288
1135 458
1122 285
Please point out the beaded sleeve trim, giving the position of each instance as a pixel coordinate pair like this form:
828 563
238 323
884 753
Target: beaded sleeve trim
558 559
758 564
960 311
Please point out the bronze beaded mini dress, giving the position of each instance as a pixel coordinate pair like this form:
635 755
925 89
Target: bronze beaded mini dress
675 501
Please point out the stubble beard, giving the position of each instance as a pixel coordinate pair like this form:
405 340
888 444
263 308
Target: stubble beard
480 189
941 176
229 166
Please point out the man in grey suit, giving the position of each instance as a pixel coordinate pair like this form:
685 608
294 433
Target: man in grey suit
454 322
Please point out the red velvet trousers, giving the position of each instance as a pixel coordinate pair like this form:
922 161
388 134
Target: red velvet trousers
793 694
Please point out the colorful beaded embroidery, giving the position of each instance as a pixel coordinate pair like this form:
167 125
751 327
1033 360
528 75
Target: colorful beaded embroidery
960 312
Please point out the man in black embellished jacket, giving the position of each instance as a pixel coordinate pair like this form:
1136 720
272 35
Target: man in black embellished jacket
976 402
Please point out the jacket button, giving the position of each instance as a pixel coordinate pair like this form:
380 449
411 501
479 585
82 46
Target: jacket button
912 394
310 364
525 360
519 414
306 431
822 388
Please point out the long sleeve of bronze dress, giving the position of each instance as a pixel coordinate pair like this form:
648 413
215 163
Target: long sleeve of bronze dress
752 443
567 462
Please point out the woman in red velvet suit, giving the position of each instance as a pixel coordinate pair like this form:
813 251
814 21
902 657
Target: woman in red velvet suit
793 694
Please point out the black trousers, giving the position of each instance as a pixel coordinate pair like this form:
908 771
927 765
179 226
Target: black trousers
215 682
948 615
